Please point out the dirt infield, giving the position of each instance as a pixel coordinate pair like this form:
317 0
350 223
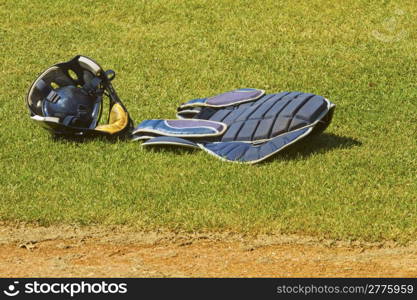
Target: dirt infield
65 251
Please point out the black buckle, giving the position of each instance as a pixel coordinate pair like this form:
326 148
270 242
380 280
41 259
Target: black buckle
53 97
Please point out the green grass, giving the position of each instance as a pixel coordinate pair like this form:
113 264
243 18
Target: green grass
356 181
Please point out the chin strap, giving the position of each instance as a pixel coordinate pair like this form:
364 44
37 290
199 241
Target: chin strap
118 120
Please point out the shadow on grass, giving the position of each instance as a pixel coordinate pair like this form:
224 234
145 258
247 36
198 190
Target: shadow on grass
172 149
88 139
308 146
321 143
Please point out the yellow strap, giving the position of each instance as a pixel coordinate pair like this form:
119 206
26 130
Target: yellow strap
118 120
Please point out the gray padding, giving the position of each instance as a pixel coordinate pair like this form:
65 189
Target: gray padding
169 140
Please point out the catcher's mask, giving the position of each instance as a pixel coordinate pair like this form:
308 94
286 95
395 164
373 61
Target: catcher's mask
67 99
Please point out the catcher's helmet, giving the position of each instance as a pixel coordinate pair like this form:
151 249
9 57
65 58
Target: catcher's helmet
67 99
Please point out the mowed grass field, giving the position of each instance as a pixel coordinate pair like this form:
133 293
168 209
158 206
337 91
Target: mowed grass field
357 181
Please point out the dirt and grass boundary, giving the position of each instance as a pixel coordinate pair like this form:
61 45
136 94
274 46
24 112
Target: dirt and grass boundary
72 251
